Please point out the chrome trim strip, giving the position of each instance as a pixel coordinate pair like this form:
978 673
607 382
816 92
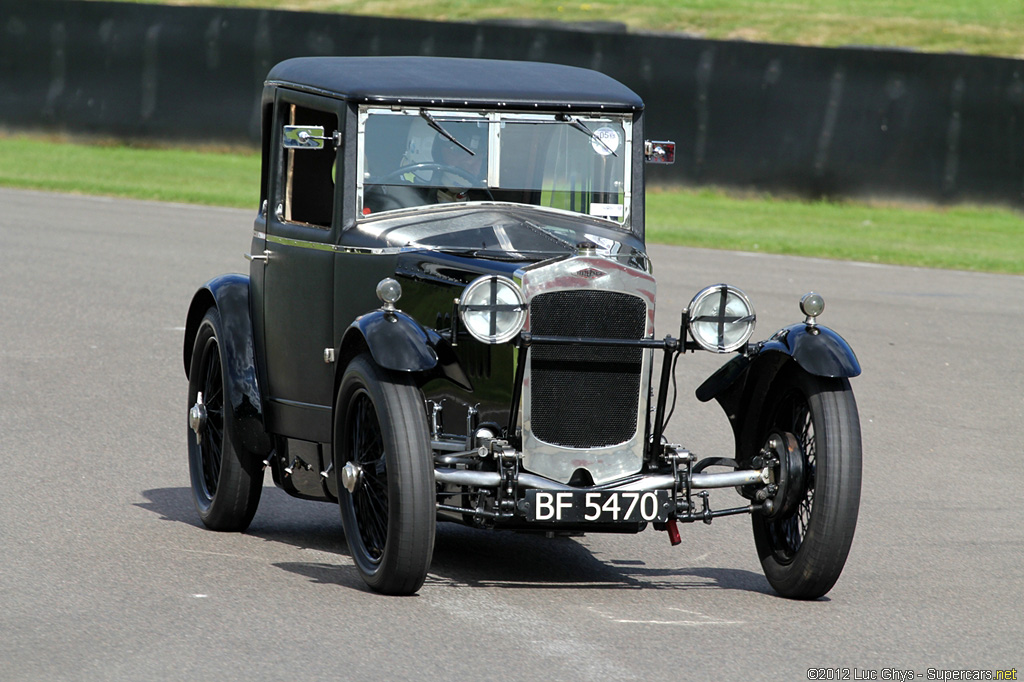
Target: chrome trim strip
336 248
300 243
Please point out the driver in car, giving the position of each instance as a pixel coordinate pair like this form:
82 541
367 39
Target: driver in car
466 179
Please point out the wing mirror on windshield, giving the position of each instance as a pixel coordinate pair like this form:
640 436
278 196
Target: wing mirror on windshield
308 137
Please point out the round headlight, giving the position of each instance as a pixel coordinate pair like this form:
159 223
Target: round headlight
492 309
721 318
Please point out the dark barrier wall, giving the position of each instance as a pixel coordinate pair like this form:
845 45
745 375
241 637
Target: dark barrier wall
811 121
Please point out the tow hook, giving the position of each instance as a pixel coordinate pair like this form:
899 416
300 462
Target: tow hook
673 532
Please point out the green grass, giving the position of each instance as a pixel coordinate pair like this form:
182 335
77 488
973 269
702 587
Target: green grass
118 170
987 239
973 26
963 238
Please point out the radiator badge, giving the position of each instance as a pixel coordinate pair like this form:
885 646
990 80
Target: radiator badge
590 273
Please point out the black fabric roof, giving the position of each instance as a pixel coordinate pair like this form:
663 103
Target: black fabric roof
445 81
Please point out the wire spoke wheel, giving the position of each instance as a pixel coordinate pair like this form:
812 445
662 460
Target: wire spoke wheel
212 438
226 482
383 463
787 534
370 499
803 551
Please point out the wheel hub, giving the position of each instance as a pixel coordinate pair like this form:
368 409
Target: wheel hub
351 475
783 454
197 416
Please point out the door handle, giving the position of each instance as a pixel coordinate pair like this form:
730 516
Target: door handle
265 256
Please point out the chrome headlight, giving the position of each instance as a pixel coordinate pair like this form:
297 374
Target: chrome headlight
721 318
492 309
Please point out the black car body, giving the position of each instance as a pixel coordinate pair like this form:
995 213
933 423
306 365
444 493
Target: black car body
449 315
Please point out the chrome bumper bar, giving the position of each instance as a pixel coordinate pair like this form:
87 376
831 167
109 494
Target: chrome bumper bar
492 479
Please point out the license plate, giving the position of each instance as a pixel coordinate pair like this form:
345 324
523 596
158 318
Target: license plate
597 507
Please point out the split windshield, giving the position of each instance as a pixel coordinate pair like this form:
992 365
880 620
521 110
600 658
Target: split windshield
418 157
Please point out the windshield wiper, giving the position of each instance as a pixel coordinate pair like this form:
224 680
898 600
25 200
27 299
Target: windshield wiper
432 122
582 127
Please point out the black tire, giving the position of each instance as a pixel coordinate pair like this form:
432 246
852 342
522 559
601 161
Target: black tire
803 552
226 483
380 426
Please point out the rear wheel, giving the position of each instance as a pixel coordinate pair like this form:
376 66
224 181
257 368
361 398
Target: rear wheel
804 548
383 461
226 483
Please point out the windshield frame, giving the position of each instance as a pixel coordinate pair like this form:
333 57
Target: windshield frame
591 120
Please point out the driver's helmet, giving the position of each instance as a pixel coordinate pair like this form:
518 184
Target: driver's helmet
472 168
418 146
473 135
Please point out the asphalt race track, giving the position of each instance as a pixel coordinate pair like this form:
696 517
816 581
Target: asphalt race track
106 573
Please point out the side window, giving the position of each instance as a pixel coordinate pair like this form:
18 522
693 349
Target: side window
309 174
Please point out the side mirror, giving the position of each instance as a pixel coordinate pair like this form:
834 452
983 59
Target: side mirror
659 152
308 137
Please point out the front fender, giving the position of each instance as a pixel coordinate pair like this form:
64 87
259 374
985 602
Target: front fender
230 295
742 385
399 343
819 350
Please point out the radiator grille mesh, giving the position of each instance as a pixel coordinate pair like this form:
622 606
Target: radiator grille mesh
584 396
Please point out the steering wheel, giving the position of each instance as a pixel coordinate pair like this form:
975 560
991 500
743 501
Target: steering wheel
415 168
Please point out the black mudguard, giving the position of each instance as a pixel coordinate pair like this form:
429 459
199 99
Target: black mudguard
741 385
399 343
819 350
230 295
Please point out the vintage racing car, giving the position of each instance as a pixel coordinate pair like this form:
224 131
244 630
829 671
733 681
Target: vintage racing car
449 316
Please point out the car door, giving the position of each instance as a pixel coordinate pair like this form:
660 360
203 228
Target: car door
298 272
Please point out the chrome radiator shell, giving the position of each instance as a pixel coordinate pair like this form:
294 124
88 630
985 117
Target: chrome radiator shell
583 386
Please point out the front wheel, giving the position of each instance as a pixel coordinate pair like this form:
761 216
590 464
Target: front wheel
803 548
383 462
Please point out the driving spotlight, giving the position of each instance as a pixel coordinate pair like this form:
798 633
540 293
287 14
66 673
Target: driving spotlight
721 318
492 309
811 305
389 291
